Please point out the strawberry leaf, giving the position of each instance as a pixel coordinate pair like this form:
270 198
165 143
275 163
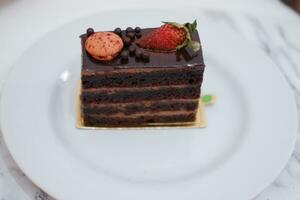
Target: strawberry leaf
191 27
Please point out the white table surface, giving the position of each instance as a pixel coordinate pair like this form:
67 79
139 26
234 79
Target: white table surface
268 24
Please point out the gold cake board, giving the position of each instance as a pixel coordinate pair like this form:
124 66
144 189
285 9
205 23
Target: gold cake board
200 121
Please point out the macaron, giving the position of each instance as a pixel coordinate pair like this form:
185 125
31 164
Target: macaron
104 46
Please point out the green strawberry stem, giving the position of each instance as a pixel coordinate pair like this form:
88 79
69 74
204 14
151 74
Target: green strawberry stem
189 28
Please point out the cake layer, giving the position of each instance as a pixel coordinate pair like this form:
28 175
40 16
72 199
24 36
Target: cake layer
116 95
142 106
170 117
143 77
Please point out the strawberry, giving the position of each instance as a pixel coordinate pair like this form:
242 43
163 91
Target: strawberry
170 37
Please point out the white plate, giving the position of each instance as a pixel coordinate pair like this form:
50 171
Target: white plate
250 135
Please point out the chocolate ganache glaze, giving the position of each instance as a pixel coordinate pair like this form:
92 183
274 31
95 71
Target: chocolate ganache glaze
181 58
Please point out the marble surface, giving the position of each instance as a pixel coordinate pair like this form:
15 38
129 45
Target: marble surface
276 30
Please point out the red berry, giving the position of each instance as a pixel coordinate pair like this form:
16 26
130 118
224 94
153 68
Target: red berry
165 38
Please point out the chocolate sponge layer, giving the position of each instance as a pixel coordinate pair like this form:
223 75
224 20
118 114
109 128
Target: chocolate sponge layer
95 120
119 95
143 77
140 107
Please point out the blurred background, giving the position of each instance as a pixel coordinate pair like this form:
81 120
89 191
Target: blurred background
271 25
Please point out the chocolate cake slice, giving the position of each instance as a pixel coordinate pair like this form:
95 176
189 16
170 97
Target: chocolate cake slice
139 85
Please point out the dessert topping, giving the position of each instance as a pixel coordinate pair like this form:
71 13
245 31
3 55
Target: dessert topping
118 31
137 29
131 35
138 53
138 35
127 41
89 31
145 56
124 55
170 37
131 49
104 46
129 29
